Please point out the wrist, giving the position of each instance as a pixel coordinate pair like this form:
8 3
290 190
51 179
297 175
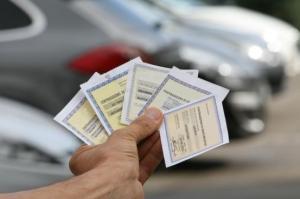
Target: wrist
93 184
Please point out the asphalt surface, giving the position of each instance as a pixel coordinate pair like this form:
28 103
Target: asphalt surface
265 166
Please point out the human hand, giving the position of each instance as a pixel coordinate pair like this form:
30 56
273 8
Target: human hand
113 170
129 156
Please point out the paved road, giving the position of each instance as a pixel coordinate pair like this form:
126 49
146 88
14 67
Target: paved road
267 166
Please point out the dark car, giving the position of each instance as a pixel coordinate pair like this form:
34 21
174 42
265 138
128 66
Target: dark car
40 42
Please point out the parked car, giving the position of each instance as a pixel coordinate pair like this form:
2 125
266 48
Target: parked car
34 150
262 38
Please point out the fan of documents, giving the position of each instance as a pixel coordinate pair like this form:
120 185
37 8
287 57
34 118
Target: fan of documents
193 123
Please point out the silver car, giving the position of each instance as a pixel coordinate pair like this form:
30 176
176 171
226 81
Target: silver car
34 150
270 42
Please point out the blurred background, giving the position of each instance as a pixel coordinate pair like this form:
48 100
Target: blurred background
48 48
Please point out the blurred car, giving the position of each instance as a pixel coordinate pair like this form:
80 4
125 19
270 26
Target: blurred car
262 38
217 60
70 39
34 150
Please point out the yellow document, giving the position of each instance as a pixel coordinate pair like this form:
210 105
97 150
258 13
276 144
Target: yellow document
143 80
79 117
193 129
179 88
106 95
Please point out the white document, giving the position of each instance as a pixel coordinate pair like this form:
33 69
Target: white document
192 129
106 96
79 118
179 88
143 80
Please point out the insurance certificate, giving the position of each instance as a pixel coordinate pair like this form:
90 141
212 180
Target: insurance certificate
179 88
143 80
79 117
107 94
192 129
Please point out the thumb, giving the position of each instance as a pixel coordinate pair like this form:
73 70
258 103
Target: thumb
145 125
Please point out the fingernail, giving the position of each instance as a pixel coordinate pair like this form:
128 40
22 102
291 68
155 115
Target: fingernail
153 113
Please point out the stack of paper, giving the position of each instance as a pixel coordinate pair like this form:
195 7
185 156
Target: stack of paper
194 120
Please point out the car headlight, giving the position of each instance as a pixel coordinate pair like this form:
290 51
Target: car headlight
264 56
255 52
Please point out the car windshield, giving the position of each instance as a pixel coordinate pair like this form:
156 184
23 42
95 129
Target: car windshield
179 3
186 4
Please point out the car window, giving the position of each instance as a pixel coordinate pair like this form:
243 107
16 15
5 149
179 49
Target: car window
179 3
12 17
130 12
190 3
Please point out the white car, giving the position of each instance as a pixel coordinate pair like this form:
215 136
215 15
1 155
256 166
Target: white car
237 23
34 150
